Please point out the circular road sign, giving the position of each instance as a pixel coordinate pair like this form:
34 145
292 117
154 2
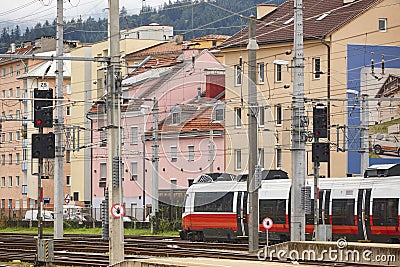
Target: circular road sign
267 223
117 211
67 198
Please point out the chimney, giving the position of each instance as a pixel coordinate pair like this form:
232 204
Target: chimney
179 38
265 9
198 93
12 48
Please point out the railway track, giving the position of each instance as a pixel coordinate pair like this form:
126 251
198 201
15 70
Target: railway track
93 251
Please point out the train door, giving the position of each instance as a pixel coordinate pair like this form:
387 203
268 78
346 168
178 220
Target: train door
363 212
324 199
241 214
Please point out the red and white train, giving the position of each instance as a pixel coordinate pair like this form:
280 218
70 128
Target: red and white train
356 208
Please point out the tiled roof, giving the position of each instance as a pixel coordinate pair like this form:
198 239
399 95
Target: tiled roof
18 51
271 28
168 48
196 117
212 37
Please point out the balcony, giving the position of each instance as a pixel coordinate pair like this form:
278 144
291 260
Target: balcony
24 166
24 143
24 189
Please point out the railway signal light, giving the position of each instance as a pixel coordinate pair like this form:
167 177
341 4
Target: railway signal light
320 121
320 152
43 146
43 108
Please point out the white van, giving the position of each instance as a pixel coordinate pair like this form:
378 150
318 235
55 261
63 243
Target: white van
32 215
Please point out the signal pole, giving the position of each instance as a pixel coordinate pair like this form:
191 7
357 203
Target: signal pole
297 223
252 133
155 160
116 244
59 128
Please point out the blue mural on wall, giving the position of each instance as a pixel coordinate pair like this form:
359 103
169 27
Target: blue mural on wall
361 78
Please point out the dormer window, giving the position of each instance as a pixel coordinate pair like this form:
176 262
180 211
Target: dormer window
176 115
175 118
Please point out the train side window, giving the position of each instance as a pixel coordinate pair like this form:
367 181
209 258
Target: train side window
213 202
274 209
385 211
343 211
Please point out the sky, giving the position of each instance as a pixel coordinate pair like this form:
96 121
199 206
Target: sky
29 12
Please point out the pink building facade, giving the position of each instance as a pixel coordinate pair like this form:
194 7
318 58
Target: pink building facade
189 76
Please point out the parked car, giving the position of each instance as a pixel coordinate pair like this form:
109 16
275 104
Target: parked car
383 143
32 215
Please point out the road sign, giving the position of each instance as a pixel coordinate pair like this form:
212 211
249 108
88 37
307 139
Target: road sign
117 211
267 223
67 198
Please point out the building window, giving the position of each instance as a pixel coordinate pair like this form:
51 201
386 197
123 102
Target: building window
122 131
17 91
103 171
316 68
219 114
17 181
214 43
3 72
3 181
261 116
238 159
3 159
278 114
190 181
260 160
10 159
10 71
103 138
174 154
3 137
3 93
278 73
10 114
68 89
68 180
18 135
10 181
17 158
238 75
10 92
134 135
18 69
68 111
191 152
175 118
10 136
382 25
134 171
18 114
238 117
3 115
278 158
10 202
261 73
68 156
26 68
